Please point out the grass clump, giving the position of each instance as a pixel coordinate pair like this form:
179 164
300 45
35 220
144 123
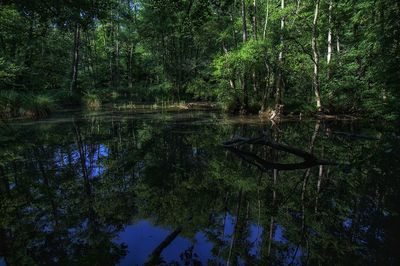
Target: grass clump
10 102
13 104
36 106
92 100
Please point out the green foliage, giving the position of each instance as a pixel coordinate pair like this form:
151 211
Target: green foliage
37 105
26 104
9 102
195 50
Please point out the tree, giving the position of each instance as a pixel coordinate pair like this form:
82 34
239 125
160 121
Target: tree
316 84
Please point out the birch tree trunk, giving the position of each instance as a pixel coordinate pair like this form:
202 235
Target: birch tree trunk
129 67
75 61
244 24
316 85
337 43
117 50
329 54
255 19
279 80
266 21
254 75
244 81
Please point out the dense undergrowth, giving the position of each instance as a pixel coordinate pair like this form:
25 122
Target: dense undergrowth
246 56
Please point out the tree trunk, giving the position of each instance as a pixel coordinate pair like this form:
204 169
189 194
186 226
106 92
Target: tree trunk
130 56
244 81
75 61
117 62
316 85
337 43
279 79
254 75
255 19
266 88
244 24
266 21
329 55
231 81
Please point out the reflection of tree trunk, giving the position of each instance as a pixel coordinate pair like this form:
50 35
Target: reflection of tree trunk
271 234
48 188
82 157
320 175
5 180
16 179
6 246
224 221
155 255
235 229
306 177
271 227
259 215
309 158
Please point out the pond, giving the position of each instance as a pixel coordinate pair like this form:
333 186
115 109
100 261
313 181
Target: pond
157 187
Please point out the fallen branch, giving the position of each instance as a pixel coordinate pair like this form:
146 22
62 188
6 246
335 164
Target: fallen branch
309 160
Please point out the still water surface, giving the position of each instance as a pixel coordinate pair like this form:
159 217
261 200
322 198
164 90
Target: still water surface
158 188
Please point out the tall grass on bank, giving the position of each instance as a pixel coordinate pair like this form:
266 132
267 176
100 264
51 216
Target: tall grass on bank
91 100
36 106
9 103
14 104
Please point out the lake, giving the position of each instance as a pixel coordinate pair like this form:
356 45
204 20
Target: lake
158 187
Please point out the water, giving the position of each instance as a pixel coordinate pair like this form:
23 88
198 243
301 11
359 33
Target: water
151 186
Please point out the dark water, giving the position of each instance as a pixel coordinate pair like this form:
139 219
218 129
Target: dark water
114 188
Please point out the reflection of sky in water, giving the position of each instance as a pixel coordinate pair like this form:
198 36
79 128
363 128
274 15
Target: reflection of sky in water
92 159
2 262
143 237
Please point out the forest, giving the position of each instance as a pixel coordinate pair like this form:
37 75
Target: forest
309 57
199 132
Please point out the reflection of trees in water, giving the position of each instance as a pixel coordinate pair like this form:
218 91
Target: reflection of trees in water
68 189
